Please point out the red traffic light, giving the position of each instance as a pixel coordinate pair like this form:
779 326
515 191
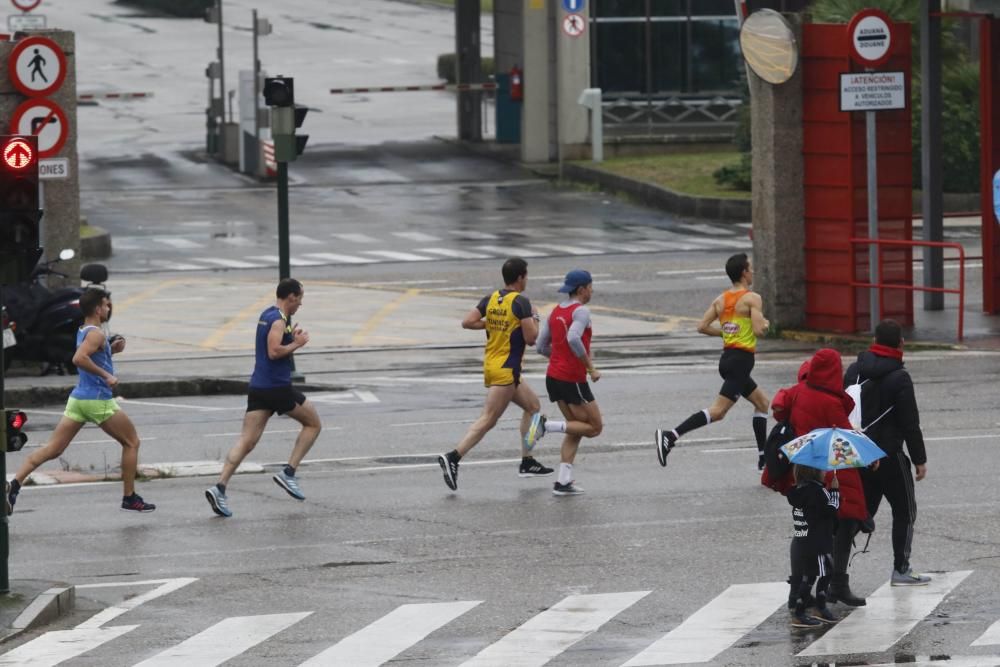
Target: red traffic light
18 154
17 420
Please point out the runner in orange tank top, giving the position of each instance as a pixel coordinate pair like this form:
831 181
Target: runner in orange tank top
739 312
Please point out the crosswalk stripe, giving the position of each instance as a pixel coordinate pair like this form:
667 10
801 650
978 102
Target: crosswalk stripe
553 631
891 612
951 661
716 626
343 259
401 256
303 240
450 252
990 637
59 646
355 238
293 261
228 263
391 635
473 235
560 248
417 236
178 266
238 241
224 640
510 251
178 242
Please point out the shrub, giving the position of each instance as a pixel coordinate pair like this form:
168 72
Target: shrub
183 8
446 67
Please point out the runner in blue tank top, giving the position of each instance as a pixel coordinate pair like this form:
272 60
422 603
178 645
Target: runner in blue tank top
271 391
92 401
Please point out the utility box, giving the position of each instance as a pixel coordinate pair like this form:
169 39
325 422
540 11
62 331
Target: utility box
508 112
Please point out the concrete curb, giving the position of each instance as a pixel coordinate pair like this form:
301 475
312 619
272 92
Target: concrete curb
197 386
44 609
96 246
712 208
856 340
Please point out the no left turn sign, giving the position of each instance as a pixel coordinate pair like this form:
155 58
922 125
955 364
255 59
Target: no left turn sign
45 120
37 66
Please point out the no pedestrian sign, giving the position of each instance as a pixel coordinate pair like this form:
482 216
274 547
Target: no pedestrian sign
872 91
574 25
37 66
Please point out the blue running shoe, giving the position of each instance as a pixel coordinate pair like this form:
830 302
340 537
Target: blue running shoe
535 431
290 484
217 499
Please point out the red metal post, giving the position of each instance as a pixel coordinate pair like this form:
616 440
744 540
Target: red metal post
989 103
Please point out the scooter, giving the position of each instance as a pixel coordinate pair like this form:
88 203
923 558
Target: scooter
44 322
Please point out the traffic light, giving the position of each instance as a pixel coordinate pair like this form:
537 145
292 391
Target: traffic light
19 212
15 421
286 117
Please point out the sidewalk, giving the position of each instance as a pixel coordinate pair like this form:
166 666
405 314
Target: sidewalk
32 603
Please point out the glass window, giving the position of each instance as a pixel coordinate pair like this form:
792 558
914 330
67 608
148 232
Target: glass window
713 8
619 7
668 7
715 56
669 56
621 56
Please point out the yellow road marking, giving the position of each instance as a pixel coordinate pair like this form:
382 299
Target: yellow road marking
360 337
239 318
145 294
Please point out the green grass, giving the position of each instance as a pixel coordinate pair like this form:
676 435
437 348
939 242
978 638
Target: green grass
688 173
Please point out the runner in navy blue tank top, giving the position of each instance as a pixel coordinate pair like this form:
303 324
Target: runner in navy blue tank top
92 401
271 391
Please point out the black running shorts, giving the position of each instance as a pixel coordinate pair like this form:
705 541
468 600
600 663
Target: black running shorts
735 367
571 393
276 399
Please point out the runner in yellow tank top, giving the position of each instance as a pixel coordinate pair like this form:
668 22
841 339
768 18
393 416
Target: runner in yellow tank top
511 324
740 315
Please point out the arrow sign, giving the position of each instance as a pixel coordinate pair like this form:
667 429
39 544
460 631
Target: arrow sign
573 5
45 120
17 154
37 66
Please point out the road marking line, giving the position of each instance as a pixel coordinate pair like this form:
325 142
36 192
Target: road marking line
375 320
345 259
684 272
456 254
390 635
559 248
400 256
551 632
304 240
58 646
951 661
479 236
355 238
178 242
509 251
224 640
417 236
228 263
165 587
154 404
890 614
990 637
145 294
716 626
236 320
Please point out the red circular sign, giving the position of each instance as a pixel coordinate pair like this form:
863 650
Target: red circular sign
870 34
45 120
37 66
18 154
26 5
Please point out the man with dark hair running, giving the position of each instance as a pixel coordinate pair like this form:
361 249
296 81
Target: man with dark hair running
739 312
565 340
890 418
92 401
271 391
511 324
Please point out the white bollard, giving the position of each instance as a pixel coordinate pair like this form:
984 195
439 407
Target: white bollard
591 98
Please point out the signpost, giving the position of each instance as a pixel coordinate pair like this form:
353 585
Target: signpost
870 33
45 120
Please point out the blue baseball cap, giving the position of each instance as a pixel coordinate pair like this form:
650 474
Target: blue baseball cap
575 279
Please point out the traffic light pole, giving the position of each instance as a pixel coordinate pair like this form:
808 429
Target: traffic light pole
4 533
284 269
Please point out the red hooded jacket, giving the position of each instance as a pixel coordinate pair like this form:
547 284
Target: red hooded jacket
819 401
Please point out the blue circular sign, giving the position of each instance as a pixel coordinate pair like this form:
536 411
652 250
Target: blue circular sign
573 5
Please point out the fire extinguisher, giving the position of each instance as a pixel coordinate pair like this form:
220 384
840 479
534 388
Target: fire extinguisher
516 84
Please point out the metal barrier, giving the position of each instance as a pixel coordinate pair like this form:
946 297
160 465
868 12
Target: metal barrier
879 285
624 112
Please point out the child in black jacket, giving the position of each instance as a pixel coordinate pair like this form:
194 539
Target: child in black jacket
814 514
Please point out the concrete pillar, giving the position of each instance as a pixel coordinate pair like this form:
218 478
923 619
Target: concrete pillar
508 41
469 68
535 129
573 76
778 198
61 196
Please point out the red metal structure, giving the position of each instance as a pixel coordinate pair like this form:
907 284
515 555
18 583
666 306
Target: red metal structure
989 101
836 191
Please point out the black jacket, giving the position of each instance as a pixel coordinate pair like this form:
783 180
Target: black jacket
814 515
889 386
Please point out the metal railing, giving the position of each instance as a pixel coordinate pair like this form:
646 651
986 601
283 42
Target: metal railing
879 285
623 111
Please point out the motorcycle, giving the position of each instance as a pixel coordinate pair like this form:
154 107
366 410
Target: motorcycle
44 322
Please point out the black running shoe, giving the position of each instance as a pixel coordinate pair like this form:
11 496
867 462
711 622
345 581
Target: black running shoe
570 489
532 468
665 441
135 503
10 491
802 620
450 469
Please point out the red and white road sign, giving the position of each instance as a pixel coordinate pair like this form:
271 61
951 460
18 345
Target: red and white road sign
871 33
26 5
37 66
18 153
45 120
574 25
460 87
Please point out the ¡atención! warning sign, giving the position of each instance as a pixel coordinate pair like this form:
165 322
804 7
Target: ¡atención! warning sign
872 91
